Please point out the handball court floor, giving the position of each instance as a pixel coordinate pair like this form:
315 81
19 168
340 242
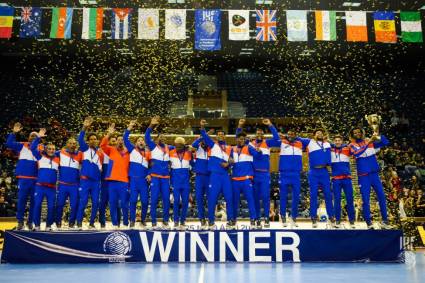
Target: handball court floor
413 270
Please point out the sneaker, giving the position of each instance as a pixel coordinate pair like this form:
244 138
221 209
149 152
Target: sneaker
132 224
293 223
183 226
143 225
154 226
115 227
204 224
102 226
370 226
36 228
314 222
165 225
284 223
30 226
71 225
59 226
258 224
338 224
230 225
79 226
267 223
252 224
49 228
385 225
211 226
176 225
20 226
352 225
92 227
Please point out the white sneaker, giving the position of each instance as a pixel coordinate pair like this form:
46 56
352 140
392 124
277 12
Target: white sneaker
385 226
352 225
115 227
293 223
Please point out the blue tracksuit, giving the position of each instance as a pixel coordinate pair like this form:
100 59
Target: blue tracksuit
262 175
160 176
138 171
202 177
91 171
26 173
242 175
341 180
290 167
368 172
48 167
319 155
219 177
69 180
180 181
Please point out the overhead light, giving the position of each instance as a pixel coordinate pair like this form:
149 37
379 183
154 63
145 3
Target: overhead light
351 4
92 2
422 8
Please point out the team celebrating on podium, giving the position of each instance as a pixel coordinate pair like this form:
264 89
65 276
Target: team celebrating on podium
117 172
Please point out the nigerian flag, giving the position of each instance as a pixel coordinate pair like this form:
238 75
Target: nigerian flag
411 29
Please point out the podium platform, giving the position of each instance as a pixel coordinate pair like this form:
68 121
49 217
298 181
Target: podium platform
271 245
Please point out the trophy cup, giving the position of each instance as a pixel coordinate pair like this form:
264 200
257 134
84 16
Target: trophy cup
374 120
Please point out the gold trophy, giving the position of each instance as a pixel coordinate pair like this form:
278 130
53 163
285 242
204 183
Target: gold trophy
374 120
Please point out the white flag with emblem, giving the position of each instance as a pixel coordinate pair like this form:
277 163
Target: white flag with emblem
175 24
148 24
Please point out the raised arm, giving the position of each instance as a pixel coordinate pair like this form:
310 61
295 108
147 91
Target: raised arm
275 141
36 142
81 137
240 126
148 139
104 144
196 143
126 136
208 141
11 138
383 141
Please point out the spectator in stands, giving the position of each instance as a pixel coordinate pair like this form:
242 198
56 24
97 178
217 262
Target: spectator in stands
420 204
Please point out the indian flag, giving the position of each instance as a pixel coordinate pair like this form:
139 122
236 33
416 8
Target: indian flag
92 23
411 29
61 23
325 25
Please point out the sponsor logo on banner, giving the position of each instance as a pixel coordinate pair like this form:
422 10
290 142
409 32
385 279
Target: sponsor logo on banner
118 244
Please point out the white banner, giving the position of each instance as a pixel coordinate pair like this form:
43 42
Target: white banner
175 24
148 24
238 24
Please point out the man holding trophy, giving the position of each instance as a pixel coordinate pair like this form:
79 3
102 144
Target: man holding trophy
365 150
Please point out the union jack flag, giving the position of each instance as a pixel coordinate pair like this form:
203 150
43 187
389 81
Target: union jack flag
26 14
266 25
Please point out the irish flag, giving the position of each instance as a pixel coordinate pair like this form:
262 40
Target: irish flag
325 25
6 21
92 23
61 23
356 25
384 27
411 29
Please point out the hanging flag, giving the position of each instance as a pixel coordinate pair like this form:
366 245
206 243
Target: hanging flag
411 29
325 25
61 23
30 22
356 25
121 23
297 25
148 23
266 25
6 21
384 27
175 24
207 29
92 23
238 24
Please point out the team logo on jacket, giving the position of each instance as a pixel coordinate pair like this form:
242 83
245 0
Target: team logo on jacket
117 243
